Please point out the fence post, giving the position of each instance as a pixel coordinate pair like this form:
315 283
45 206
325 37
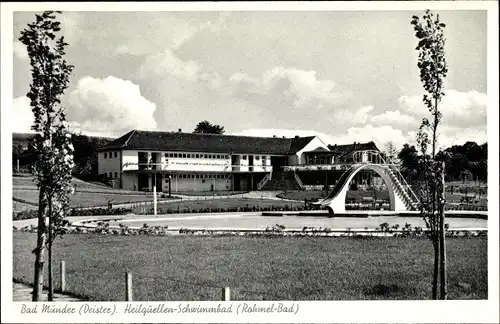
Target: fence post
226 294
128 286
62 275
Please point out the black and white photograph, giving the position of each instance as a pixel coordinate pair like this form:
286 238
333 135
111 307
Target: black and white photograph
250 162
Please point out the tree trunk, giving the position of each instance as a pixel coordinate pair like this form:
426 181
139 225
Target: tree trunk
40 249
51 281
436 270
442 242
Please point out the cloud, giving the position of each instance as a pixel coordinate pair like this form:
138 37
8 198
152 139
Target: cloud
20 50
167 63
22 115
109 105
459 108
165 32
378 134
393 117
299 86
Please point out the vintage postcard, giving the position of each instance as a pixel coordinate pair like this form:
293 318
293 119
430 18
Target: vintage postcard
250 162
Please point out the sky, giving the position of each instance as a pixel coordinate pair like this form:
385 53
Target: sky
346 76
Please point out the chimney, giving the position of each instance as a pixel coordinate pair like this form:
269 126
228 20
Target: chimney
284 137
274 136
180 130
296 136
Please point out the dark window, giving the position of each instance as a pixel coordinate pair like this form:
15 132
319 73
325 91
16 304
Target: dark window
116 154
116 174
188 156
105 155
244 157
184 155
257 158
218 156
197 156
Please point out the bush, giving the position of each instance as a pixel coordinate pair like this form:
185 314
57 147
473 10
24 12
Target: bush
28 214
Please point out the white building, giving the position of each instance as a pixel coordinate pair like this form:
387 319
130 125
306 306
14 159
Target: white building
201 162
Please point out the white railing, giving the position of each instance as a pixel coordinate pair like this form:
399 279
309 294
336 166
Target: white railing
185 166
299 181
263 182
377 158
317 167
408 195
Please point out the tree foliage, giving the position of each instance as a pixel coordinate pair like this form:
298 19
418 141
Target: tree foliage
206 127
433 70
85 155
433 67
391 151
51 146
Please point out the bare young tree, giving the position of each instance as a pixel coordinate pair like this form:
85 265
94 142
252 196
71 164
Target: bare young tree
391 151
51 147
429 31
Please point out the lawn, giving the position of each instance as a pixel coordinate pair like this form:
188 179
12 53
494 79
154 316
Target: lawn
274 268
358 195
210 193
84 199
319 194
215 204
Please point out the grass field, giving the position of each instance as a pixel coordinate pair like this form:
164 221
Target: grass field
87 194
284 268
225 203
358 195
210 193
84 199
319 194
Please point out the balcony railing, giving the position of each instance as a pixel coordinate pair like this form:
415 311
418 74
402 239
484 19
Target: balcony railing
316 167
196 166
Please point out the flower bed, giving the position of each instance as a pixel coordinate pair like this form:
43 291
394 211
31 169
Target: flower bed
104 228
28 214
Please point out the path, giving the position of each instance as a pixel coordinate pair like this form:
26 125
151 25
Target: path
23 292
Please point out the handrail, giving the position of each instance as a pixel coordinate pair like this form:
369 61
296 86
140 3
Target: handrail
405 184
263 182
166 164
387 160
299 181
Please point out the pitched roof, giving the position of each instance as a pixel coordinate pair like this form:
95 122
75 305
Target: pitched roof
342 150
190 142
320 149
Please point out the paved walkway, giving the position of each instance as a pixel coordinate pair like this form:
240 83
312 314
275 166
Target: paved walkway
22 292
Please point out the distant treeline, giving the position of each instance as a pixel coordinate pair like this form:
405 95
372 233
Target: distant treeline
463 162
85 155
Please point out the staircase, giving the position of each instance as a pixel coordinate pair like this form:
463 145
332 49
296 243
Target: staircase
402 189
263 182
281 180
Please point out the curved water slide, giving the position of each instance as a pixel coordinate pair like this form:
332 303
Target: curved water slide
401 196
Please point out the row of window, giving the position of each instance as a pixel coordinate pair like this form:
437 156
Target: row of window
111 155
199 176
207 156
196 156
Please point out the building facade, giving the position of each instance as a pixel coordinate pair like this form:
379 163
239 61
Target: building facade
183 162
